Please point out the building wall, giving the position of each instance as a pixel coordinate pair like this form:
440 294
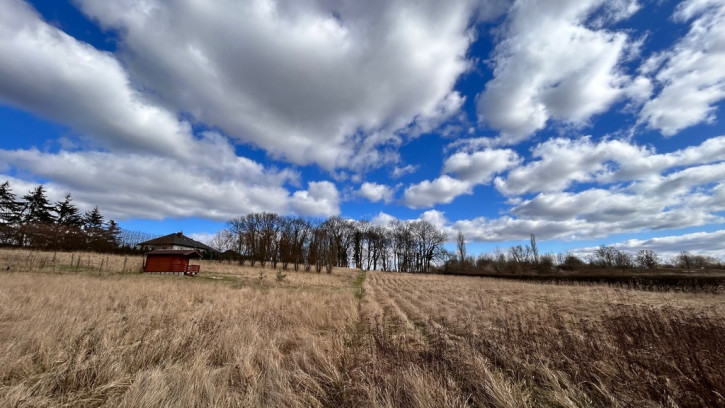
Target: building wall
166 263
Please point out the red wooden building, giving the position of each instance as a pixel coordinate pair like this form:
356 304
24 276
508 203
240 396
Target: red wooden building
171 261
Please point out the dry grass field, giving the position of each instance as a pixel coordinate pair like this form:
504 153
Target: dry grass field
96 335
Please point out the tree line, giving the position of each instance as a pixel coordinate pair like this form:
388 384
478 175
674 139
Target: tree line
524 259
408 246
308 243
32 221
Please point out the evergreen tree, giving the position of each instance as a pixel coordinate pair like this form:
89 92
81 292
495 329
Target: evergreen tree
68 214
9 207
69 235
37 207
93 226
93 220
10 215
113 235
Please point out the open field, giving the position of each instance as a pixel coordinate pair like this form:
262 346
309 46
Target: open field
489 342
233 337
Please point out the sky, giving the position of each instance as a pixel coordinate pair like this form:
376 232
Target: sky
584 122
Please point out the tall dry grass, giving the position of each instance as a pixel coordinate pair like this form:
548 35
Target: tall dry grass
230 338
485 342
166 341
27 260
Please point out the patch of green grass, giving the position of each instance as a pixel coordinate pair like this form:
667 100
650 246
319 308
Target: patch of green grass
358 285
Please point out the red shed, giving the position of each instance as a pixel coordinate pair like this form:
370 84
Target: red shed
171 261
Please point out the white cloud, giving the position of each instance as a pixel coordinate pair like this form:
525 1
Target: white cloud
148 158
550 65
203 237
668 247
436 218
50 73
492 9
320 199
614 212
480 167
471 169
383 219
563 162
376 192
402 171
691 74
215 184
311 82
634 189
429 193
588 225
693 196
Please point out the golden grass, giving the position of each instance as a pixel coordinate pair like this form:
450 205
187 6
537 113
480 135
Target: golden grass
23 260
26 260
102 337
162 340
488 342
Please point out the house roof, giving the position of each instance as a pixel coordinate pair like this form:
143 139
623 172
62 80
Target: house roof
188 253
177 239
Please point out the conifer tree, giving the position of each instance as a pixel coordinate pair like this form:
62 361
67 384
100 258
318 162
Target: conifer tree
93 226
68 214
37 207
10 215
69 235
113 235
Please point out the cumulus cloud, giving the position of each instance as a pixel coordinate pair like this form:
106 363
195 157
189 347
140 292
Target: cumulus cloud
45 71
480 167
551 64
633 189
471 169
617 211
668 247
399 172
376 192
320 199
149 159
216 184
441 190
562 162
383 219
690 75
310 82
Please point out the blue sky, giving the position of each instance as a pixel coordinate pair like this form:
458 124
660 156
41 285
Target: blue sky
584 122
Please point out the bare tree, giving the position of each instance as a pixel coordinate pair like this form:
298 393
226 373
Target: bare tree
223 240
461 243
647 258
534 249
684 260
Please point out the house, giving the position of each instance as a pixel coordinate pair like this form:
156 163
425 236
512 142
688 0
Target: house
176 241
174 261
